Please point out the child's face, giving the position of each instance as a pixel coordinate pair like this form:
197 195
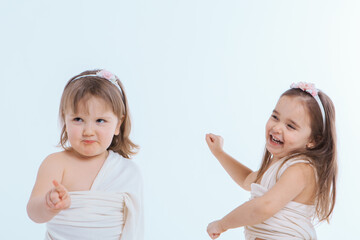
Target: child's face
288 128
91 130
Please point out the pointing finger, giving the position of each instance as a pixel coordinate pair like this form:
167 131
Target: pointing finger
56 183
59 188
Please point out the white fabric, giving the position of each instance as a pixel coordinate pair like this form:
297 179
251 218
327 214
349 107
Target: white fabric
294 221
111 209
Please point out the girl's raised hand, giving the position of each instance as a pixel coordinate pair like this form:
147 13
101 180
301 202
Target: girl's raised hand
215 143
214 229
58 197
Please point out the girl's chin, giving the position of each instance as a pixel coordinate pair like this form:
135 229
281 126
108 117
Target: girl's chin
273 148
275 154
87 153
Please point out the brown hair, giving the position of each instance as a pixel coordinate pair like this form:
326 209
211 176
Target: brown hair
87 84
323 156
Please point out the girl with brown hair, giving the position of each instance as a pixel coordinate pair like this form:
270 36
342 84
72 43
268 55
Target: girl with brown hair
91 190
297 178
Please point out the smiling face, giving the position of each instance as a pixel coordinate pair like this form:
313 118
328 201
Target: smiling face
90 131
288 128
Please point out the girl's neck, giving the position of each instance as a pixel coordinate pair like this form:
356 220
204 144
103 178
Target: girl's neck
275 159
102 156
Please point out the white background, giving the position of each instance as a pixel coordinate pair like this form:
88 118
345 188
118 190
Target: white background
189 67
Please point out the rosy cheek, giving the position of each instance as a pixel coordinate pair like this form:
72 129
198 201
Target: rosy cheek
73 130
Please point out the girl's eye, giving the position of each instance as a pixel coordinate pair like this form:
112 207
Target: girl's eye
291 126
274 117
100 121
77 119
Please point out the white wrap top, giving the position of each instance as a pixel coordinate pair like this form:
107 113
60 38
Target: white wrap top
292 222
111 209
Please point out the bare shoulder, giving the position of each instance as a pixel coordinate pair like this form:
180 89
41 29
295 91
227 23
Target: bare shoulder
56 156
296 183
304 171
55 159
302 176
54 164
51 168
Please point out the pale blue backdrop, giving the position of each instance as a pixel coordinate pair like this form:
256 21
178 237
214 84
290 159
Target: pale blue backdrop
189 67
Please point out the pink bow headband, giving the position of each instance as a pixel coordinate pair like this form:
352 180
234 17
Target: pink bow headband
103 74
310 88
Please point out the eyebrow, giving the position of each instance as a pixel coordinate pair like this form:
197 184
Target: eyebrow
293 122
97 117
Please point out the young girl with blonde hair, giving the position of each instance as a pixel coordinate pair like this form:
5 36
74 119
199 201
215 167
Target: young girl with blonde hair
91 190
297 178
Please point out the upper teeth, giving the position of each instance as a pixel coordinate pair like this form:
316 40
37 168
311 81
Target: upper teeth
276 140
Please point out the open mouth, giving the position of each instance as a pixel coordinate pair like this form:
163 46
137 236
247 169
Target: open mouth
275 140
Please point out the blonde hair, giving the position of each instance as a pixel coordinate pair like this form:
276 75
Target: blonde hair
323 156
82 87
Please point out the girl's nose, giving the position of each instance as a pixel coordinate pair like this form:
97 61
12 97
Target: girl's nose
277 128
88 129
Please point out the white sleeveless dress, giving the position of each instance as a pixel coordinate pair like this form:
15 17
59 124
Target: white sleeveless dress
111 209
292 222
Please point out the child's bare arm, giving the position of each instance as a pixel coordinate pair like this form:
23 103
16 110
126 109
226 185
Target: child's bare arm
290 185
249 180
237 171
48 197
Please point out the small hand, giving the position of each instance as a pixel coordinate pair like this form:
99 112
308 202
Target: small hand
214 229
58 197
215 143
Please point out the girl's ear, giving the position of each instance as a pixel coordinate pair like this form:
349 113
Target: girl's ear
118 126
311 144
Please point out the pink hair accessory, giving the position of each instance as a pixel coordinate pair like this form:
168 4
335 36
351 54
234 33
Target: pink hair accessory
306 87
103 74
107 75
310 88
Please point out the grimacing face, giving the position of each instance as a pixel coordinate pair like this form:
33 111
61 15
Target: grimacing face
90 131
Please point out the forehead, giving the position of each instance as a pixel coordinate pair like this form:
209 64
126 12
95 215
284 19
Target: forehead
293 108
90 104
